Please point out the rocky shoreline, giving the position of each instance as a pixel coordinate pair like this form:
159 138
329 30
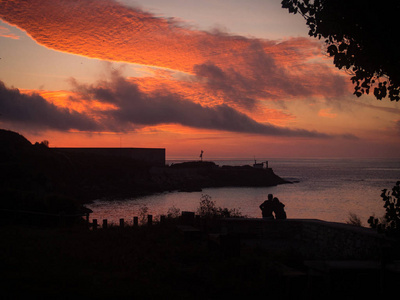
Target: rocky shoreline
194 176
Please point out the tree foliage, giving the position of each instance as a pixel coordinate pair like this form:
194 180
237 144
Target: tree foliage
361 37
391 223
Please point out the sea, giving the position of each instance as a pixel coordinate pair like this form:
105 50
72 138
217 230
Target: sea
324 189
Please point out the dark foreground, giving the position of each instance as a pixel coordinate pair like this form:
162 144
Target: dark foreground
149 262
146 263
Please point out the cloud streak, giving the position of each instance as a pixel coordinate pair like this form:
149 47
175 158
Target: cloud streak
5 32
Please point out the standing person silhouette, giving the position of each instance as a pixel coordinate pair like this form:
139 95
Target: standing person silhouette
278 208
267 208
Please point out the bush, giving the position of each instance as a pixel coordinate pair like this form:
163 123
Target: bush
143 213
208 209
390 225
354 220
173 212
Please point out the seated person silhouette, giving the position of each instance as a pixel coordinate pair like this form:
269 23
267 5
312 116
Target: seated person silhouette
278 208
267 208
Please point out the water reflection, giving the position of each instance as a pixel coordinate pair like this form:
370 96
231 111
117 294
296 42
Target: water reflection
327 190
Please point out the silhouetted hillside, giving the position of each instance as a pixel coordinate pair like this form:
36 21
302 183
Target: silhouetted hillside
12 144
42 170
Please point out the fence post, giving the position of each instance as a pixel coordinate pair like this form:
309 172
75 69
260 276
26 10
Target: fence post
121 223
149 220
104 223
135 221
94 224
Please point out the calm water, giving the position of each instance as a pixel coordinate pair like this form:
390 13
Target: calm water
327 189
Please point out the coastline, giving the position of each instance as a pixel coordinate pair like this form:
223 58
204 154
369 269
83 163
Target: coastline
37 169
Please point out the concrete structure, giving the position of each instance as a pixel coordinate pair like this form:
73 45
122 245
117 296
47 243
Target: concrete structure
152 156
314 238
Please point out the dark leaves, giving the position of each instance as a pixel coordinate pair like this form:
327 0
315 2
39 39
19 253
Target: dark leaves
332 50
380 91
357 37
391 224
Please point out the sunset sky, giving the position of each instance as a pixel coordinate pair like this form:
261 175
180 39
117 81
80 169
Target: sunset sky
234 78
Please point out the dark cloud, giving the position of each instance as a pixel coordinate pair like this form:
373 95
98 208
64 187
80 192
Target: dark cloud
35 112
132 108
258 75
137 108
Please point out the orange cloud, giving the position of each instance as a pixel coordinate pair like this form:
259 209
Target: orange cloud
327 113
111 31
5 32
211 81
248 69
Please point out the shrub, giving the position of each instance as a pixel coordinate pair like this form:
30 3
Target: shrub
173 212
354 219
143 212
391 222
208 209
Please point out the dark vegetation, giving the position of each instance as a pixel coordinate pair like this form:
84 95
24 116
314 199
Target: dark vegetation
390 224
208 209
360 36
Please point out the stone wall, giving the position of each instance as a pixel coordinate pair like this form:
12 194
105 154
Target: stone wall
343 241
318 239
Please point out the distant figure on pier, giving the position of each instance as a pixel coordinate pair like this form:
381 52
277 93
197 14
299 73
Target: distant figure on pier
267 208
201 155
278 208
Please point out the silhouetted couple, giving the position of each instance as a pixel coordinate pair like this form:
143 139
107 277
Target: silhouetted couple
273 205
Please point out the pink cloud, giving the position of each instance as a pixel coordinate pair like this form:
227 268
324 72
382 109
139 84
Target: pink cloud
326 113
5 32
248 68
